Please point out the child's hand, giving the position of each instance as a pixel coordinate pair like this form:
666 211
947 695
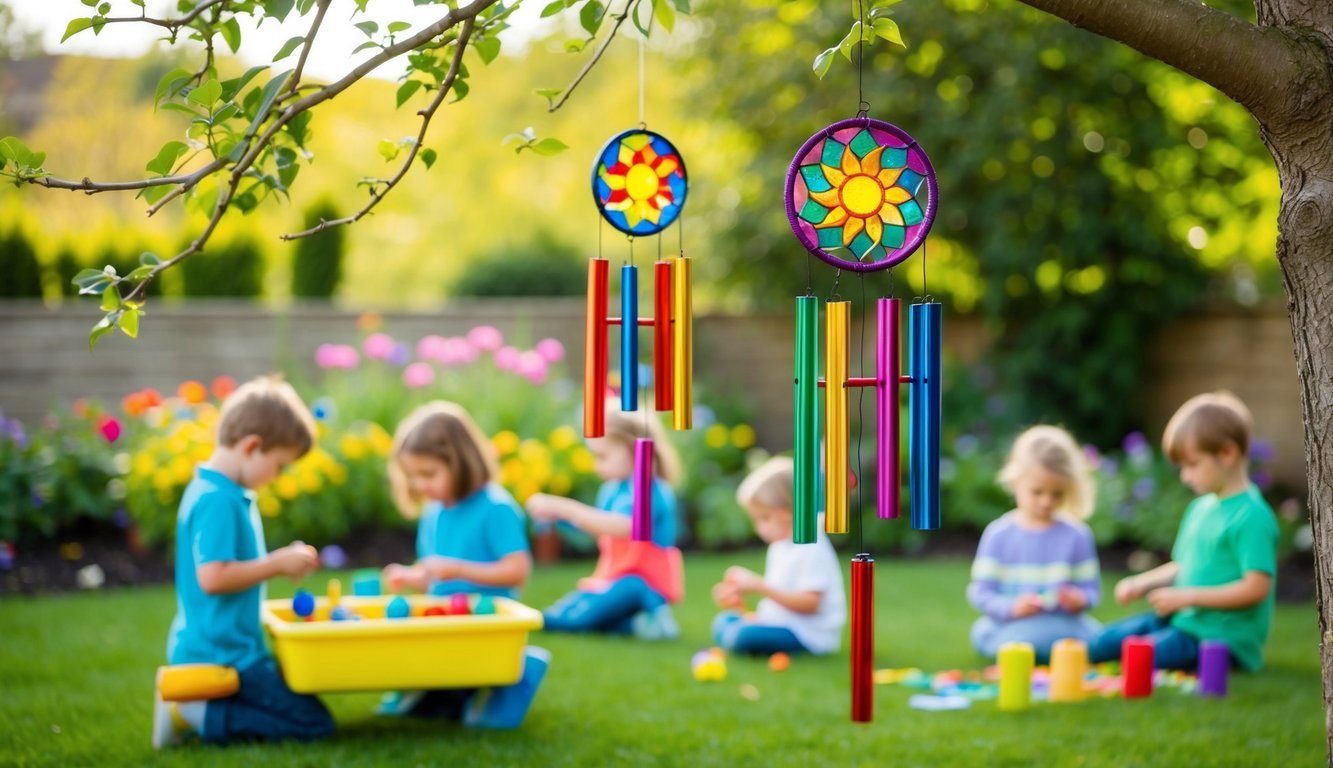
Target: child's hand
544 507
440 568
1071 598
726 595
296 560
1127 590
1167 600
1026 605
743 579
397 576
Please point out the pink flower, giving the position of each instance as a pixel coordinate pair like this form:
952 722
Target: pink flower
418 375
551 350
507 358
432 348
532 366
378 346
110 428
486 338
339 356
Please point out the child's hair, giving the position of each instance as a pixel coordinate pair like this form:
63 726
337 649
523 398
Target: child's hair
626 427
771 485
270 408
445 431
1208 422
1054 450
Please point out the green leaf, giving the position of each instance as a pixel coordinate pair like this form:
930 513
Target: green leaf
150 259
104 9
365 45
170 84
232 87
110 298
154 193
278 9
460 90
488 48
129 323
387 149
368 27
90 281
104 326
548 147
591 15
554 7
398 26
888 29
665 14
550 94
207 94
683 6
406 90
428 157
231 32
823 61
270 93
849 42
299 128
286 50
167 157
139 273
13 149
74 27
576 45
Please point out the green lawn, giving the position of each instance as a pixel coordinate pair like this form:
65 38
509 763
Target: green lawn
76 676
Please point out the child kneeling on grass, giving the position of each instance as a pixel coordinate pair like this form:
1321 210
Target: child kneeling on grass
803 607
221 566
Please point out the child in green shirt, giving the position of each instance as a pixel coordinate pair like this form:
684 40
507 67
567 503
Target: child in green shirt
1220 581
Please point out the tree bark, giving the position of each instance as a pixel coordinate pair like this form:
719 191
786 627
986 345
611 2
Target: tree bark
1281 70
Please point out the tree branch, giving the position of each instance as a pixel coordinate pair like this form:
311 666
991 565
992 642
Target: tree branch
629 6
426 114
172 24
93 187
307 45
1239 59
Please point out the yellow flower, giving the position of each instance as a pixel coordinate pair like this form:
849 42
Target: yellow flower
310 481
268 504
143 464
561 483
337 474
524 490
583 461
563 437
533 450
177 444
380 441
162 480
202 451
506 442
511 471
715 436
287 487
742 435
182 469
352 447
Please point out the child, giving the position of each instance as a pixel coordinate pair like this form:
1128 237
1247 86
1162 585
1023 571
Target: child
1036 571
803 606
472 538
1220 582
221 567
634 581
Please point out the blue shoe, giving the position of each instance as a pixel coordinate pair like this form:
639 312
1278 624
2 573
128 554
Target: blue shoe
657 624
505 707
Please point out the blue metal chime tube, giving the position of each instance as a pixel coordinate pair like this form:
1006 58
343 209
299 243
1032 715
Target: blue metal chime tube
806 421
629 338
641 521
923 328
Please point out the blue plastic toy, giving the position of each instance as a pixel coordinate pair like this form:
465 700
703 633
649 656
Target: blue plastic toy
485 606
303 604
398 608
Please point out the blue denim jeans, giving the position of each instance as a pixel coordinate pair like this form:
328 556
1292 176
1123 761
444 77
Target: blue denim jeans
1172 648
733 633
608 611
265 709
1041 630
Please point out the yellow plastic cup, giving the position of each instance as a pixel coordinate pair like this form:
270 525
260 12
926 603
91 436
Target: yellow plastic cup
1015 676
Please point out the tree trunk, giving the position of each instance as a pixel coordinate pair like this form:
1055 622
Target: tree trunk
1281 70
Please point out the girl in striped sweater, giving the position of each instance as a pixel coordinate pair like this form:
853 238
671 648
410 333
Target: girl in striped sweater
1036 573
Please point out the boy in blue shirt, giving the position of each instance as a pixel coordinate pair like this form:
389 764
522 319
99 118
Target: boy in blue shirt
221 567
1221 580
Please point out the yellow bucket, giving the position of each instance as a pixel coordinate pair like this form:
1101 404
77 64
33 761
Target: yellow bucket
421 652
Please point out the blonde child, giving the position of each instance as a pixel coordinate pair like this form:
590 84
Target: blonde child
803 607
471 538
1036 574
634 582
221 566
1221 580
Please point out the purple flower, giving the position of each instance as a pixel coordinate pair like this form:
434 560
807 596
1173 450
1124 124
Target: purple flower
1262 479
1261 451
6 556
38 500
121 518
1109 466
1135 443
1143 488
333 557
399 354
1093 455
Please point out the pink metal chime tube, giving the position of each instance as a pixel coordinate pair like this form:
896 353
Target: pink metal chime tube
642 519
863 638
662 348
595 355
886 396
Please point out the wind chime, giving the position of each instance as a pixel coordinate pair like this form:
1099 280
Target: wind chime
639 185
861 196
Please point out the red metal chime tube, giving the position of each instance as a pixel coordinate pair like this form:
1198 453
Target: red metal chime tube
595 350
662 336
863 638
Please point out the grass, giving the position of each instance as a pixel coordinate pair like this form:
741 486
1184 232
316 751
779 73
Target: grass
76 673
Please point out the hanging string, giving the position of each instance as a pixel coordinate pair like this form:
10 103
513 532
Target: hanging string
925 288
860 419
599 234
809 275
833 292
862 106
630 238
643 43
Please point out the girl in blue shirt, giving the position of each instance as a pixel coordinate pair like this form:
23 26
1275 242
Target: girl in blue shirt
471 538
